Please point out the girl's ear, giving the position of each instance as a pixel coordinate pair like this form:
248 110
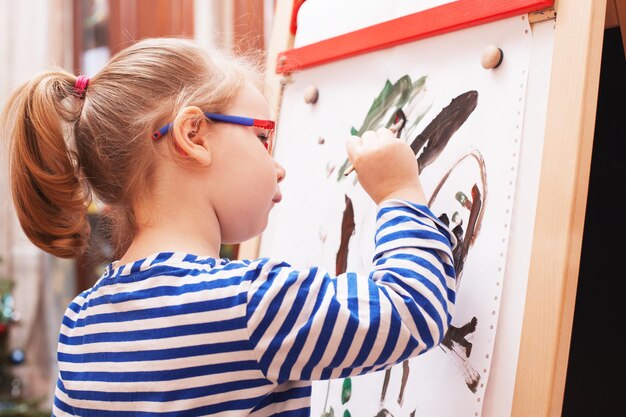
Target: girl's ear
191 134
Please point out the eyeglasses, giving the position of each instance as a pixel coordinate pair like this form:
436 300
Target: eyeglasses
268 125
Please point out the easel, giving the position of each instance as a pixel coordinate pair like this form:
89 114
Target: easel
558 228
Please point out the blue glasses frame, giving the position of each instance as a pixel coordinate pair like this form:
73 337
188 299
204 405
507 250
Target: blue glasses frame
269 125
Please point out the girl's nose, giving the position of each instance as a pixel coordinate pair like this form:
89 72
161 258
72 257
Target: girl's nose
280 171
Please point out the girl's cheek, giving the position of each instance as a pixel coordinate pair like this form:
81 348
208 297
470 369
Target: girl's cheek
179 150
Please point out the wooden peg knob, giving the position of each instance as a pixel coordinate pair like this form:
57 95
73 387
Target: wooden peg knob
491 57
310 95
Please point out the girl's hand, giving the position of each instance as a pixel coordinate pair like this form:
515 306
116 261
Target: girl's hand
386 167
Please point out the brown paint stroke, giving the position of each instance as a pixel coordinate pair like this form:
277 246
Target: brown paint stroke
405 378
341 265
465 240
383 413
476 213
437 134
470 236
455 342
459 335
347 230
470 375
383 394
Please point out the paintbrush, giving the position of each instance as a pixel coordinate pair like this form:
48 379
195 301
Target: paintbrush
395 129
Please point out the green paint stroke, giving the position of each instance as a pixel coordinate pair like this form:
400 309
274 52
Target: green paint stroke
346 414
392 97
463 199
346 391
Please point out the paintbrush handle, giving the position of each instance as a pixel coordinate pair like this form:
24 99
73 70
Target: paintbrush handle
348 170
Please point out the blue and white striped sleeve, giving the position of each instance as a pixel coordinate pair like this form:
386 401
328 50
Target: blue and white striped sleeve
59 407
307 325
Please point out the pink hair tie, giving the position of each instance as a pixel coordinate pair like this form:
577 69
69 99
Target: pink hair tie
81 85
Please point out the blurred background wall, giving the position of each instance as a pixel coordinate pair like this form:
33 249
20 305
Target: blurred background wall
80 36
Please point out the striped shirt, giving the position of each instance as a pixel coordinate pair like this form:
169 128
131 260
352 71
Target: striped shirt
181 335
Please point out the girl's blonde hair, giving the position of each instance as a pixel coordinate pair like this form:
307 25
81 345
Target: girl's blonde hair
63 147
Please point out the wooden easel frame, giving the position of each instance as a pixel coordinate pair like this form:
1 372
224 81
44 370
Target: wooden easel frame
566 160
559 223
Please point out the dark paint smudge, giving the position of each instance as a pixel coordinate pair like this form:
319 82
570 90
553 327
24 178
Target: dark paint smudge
384 413
383 393
405 378
347 230
437 134
459 335
455 342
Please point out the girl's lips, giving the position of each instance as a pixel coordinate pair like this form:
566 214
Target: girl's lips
277 197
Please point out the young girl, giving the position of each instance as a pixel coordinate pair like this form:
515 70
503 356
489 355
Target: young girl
175 141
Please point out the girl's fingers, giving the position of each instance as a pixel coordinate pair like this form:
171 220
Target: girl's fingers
354 145
385 133
369 139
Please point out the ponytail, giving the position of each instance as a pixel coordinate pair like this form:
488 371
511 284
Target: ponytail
49 195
